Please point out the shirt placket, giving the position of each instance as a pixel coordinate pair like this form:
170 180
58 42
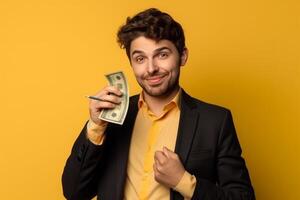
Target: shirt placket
153 134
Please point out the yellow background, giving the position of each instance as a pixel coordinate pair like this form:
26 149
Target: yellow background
244 55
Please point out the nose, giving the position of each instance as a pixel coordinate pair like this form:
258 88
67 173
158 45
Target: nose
152 67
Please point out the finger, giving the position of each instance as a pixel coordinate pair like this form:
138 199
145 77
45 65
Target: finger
157 163
108 90
102 92
160 157
154 168
166 151
103 105
111 98
156 173
96 108
158 168
169 153
159 176
104 96
113 90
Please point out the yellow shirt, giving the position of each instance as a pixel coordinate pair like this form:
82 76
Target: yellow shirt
152 133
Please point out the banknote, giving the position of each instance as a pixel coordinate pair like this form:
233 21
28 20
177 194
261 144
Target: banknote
117 115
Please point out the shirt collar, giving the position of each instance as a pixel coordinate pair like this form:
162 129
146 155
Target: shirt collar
175 102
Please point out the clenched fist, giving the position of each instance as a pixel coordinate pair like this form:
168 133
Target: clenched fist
168 169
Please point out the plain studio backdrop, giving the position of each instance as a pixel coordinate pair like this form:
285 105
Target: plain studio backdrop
244 55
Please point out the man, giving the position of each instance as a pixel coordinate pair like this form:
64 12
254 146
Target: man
171 146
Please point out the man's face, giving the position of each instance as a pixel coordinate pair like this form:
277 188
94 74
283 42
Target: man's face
156 65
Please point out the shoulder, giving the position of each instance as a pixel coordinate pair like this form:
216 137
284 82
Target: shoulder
204 108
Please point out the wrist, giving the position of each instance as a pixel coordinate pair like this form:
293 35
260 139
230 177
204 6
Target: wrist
95 132
92 125
95 138
186 185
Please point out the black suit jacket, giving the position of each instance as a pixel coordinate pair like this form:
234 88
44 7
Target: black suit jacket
206 143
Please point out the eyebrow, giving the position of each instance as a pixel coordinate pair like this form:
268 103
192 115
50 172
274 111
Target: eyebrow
156 50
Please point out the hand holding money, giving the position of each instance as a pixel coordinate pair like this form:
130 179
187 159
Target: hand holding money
108 98
117 114
113 101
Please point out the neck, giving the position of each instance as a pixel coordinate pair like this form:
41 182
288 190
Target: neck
156 103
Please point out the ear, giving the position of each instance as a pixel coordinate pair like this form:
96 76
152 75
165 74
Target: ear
184 56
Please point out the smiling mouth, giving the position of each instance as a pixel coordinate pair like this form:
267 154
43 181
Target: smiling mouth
155 80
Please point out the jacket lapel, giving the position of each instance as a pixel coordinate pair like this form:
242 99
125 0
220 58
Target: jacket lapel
186 131
187 127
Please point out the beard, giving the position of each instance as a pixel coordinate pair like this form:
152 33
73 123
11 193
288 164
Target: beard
163 89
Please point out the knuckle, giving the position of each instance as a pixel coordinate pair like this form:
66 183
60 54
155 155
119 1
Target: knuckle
113 88
115 99
159 168
106 104
111 104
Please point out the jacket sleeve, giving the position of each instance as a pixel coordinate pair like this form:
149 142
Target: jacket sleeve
79 179
233 181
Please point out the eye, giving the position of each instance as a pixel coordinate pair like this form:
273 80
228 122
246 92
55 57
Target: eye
139 59
163 55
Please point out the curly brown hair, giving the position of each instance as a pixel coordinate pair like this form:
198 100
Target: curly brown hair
153 24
